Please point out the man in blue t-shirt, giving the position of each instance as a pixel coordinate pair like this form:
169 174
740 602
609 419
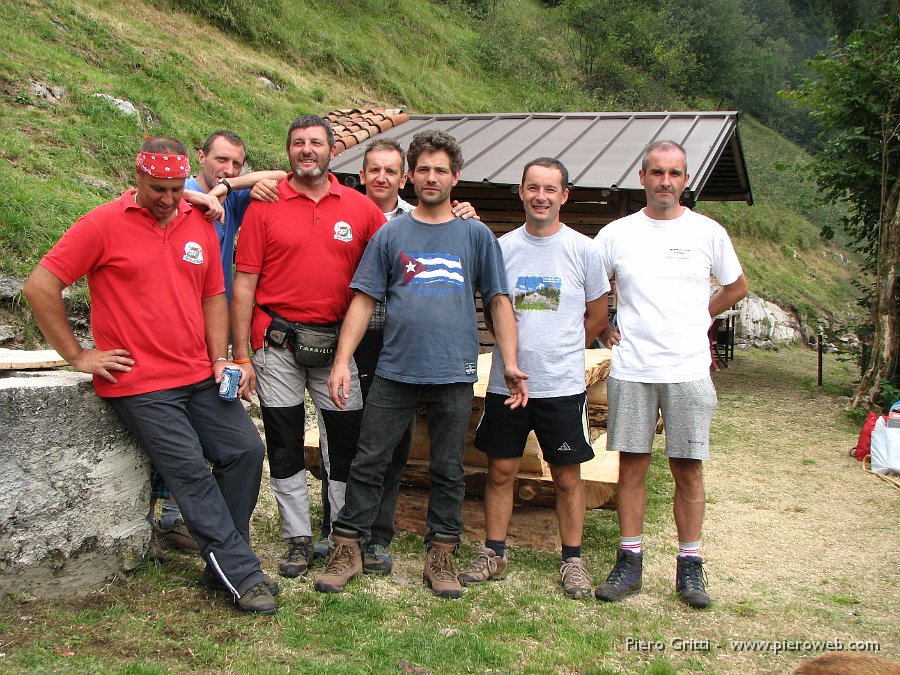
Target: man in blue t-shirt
221 162
426 266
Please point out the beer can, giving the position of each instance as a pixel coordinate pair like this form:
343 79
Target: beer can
228 387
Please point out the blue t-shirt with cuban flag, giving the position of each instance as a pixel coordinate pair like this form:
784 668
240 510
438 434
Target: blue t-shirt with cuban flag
427 275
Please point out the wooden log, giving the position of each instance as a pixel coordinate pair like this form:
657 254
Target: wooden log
529 527
600 477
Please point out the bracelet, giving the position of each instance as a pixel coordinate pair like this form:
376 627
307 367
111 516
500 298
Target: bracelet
221 358
240 361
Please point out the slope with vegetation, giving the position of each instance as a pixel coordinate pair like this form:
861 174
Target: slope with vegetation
194 66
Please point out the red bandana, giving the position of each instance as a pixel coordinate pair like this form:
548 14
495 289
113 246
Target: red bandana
161 165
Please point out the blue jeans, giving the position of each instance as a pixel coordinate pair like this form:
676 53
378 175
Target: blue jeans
389 410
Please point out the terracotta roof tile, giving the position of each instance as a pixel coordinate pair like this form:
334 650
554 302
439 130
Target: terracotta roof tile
357 125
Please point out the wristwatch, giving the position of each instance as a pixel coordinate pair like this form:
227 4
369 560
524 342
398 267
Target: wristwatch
224 181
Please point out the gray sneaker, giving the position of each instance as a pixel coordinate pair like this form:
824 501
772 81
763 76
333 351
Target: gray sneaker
297 558
576 581
377 559
486 565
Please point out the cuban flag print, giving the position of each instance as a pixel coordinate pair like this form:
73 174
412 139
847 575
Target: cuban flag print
430 269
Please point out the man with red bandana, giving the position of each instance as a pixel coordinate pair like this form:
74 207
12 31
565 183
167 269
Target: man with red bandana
158 362
294 261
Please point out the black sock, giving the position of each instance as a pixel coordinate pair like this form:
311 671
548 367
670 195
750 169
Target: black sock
498 547
570 552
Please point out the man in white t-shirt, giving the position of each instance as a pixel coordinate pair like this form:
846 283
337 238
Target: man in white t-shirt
561 290
661 259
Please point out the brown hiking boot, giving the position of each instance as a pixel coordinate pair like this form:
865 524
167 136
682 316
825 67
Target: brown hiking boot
440 570
575 579
257 600
344 563
486 565
176 536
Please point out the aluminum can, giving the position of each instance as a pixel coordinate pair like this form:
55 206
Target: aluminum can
228 387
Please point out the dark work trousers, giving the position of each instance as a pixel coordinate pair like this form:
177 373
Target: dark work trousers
182 429
366 357
390 408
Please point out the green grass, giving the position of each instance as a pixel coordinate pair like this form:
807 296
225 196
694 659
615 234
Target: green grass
59 159
779 443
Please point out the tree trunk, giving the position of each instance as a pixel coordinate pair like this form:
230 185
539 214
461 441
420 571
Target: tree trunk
882 364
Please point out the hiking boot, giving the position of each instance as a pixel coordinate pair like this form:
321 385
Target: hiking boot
298 557
344 564
440 570
690 582
576 581
322 548
625 578
213 582
377 559
486 565
176 536
257 600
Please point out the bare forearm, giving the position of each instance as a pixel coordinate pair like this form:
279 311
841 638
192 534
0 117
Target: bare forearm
596 320
354 326
246 181
728 296
215 317
44 293
503 323
241 312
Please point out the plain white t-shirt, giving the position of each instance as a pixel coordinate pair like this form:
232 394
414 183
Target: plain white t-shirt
662 270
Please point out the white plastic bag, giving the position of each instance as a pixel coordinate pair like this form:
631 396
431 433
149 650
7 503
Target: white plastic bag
886 443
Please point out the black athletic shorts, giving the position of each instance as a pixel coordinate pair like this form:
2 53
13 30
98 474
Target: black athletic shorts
560 424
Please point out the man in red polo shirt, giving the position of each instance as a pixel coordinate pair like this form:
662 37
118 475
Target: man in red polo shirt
160 324
295 259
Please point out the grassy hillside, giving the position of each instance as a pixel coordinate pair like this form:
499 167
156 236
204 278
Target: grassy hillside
190 67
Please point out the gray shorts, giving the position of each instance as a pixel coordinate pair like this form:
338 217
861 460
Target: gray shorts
280 382
687 409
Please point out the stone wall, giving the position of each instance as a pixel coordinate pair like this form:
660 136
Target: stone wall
74 488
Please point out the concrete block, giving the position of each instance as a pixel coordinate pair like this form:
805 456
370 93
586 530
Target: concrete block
74 487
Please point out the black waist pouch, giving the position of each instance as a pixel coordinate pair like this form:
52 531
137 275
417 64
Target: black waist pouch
313 345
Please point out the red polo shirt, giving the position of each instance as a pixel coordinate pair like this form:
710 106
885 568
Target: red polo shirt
146 284
305 253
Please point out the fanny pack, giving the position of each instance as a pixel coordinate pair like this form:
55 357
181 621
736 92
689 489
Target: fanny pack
313 345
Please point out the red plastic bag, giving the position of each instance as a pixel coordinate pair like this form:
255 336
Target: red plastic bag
864 444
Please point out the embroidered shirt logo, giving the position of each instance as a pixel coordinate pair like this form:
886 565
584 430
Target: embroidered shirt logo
471 368
343 231
193 253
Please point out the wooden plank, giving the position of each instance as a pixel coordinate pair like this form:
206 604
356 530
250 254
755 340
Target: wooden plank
17 359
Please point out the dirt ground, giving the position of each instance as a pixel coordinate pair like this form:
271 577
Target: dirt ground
801 543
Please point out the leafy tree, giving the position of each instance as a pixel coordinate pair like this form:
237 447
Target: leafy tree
856 103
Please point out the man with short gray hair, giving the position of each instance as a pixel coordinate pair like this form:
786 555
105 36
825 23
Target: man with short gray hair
661 259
